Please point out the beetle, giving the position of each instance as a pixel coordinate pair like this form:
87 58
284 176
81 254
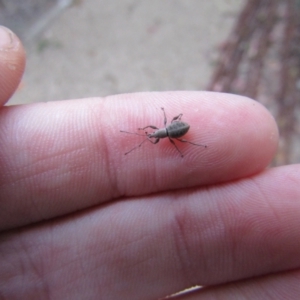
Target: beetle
174 130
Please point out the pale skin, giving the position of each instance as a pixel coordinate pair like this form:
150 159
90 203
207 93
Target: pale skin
81 220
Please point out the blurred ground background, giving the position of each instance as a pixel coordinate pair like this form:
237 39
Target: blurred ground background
97 47
261 59
86 48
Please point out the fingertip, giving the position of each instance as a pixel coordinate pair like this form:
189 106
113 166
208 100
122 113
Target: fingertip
239 137
242 135
12 63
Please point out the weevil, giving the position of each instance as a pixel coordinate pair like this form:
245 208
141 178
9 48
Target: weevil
174 130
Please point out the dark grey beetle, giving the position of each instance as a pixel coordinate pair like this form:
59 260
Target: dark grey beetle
174 130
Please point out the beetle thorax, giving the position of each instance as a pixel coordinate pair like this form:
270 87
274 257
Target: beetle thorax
159 133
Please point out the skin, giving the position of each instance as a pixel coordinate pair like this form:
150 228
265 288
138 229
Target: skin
80 220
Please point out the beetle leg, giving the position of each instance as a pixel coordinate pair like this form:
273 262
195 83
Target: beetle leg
155 141
165 117
175 146
177 118
137 146
185 141
149 126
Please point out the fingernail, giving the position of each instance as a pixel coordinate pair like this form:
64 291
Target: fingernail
7 38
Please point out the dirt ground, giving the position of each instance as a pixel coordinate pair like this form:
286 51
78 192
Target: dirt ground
97 48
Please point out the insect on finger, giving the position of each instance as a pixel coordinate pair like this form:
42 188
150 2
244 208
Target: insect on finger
174 130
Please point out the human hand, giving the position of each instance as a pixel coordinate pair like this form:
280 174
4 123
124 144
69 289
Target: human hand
80 220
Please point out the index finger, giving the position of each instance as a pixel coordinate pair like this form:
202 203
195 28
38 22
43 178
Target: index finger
60 157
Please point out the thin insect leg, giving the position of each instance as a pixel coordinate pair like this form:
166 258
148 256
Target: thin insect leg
165 117
154 142
175 146
149 126
149 139
185 141
137 146
177 118
132 133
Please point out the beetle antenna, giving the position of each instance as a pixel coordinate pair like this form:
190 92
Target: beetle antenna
185 141
137 145
132 133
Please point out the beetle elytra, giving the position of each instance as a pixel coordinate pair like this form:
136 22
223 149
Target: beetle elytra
174 130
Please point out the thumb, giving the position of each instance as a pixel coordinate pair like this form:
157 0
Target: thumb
12 63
